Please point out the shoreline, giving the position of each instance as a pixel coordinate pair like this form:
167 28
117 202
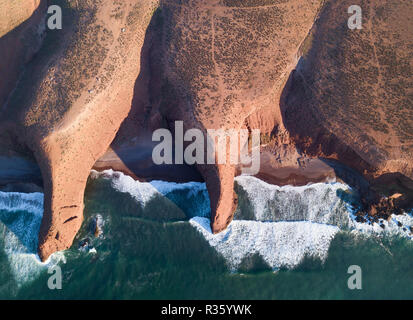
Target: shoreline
144 171
137 163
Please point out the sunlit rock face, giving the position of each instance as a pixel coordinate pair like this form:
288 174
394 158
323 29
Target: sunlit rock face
21 29
349 97
292 69
360 90
71 100
221 62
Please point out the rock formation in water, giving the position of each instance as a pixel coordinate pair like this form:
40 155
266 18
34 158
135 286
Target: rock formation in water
212 61
350 96
20 37
71 100
91 94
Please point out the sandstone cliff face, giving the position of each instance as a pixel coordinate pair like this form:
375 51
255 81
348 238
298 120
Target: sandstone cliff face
350 95
14 13
126 68
218 62
21 27
71 101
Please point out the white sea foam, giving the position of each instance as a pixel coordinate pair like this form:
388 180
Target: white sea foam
143 192
318 202
280 244
20 219
284 225
399 225
14 202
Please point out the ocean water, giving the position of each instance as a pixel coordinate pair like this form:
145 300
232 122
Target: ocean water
156 243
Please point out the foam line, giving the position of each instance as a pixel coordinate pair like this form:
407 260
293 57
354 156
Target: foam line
280 244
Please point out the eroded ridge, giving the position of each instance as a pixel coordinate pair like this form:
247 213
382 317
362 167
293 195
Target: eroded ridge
225 60
72 100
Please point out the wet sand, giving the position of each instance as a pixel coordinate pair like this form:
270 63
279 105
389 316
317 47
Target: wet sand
137 163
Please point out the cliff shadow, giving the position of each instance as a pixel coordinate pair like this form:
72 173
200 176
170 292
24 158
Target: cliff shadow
19 171
333 112
17 48
313 139
133 144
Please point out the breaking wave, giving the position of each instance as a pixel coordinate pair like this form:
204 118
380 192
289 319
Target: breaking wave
331 203
282 225
191 197
318 202
20 219
279 244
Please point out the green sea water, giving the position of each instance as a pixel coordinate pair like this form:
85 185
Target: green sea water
153 252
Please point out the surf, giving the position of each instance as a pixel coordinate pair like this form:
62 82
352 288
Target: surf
20 218
282 225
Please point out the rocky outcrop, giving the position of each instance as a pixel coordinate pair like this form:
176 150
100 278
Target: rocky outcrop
348 98
118 70
71 101
21 33
215 63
